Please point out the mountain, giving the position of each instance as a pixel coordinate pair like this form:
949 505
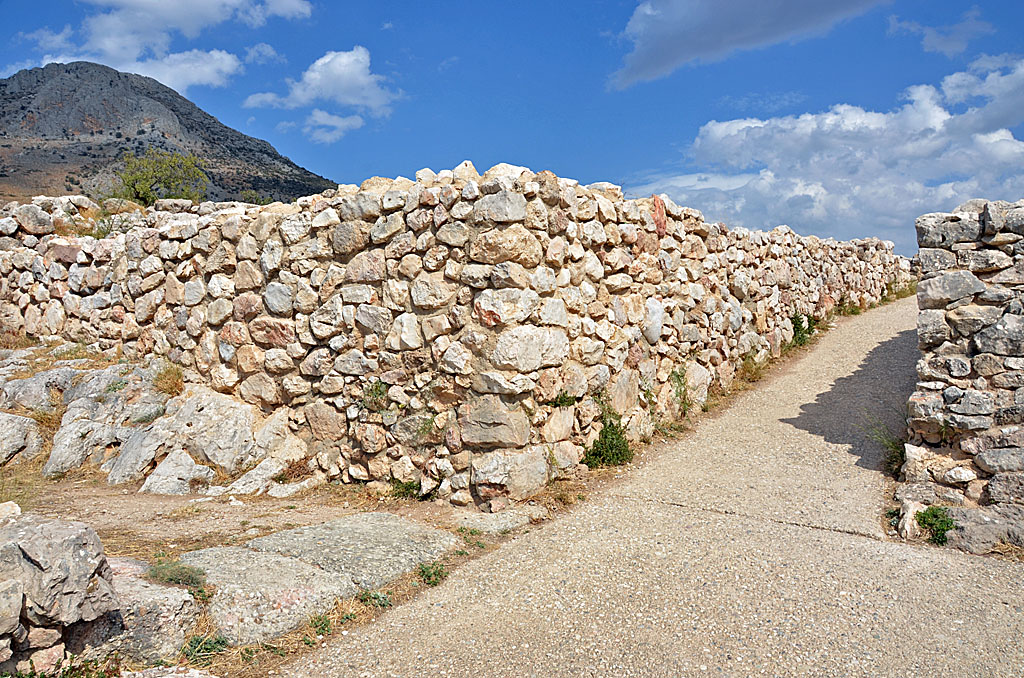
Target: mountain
64 128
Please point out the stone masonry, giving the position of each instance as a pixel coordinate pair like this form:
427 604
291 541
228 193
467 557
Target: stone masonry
966 439
418 330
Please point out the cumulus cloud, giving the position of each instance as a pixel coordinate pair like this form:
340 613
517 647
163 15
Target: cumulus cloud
136 35
325 128
343 78
262 53
181 70
947 40
667 34
849 171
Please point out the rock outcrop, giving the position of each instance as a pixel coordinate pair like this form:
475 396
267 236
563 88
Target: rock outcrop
420 330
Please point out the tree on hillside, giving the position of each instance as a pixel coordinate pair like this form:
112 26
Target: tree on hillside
162 174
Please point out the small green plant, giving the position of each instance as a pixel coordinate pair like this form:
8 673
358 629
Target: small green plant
426 427
891 443
170 571
375 599
750 369
936 520
611 447
375 396
803 328
681 389
433 573
321 624
115 386
409 490
647 388
563 399
893 516
200 650
461 552
161 174
254 198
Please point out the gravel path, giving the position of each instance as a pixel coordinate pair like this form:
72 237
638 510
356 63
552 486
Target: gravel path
750 547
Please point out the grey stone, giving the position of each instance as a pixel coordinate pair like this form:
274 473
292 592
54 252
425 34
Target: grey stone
375 319
177 474
654 320
978 530
350 237
487 422
1006 488
33 219
430 291
527 348
943 230
262 595
12 599
522 473
20 437
932 329
505 306
33 393
279 298
938 291
1001 460
61 566
970 319
1006 337
501 207
505 383
370 548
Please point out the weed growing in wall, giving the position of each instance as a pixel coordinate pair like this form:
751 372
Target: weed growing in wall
681 389
611 447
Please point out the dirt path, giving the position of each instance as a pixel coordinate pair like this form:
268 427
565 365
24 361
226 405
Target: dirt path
753 546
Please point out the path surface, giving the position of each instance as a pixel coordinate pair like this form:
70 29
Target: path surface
752 546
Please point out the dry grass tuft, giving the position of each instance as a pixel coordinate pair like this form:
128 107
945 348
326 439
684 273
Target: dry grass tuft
1008 551
9 339
169 380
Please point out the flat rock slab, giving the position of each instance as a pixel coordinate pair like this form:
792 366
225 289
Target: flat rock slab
371 548
263 595
495 523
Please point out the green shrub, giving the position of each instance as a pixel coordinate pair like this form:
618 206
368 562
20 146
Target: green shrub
254 198
936 520
611 447
409 490
433 573
803 327
563 399
161 174
682 390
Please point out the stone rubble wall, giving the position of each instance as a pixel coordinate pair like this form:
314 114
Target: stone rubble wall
966 439
417 330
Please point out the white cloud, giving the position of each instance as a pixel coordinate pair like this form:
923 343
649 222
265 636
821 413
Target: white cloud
947 40
667 34
850 172
262 53
340 77
181 70
136 35
324 128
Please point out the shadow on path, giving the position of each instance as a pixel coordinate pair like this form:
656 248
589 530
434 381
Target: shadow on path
876 393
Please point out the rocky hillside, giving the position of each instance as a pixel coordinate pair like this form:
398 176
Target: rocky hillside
65 126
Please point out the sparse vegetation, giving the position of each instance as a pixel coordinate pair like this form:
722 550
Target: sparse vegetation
253 197
9 339
73 667
433 573
409 490
294 470
375 396
937 521
751 370
149 417
611 447
201 650
563 399
161 174
891 443
169 380
169 571
681 389
804 327
375 599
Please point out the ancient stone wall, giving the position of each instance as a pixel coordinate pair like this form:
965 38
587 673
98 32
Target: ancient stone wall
966 446
419 330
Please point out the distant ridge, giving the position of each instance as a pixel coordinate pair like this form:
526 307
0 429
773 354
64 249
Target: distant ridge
64 127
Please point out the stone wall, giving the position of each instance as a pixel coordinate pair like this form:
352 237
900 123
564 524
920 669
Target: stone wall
418 330
966 440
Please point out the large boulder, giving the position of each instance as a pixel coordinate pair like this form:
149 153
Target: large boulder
486 422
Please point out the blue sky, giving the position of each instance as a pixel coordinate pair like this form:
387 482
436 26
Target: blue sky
842 118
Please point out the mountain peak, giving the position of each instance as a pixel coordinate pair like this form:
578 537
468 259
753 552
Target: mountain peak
64 127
